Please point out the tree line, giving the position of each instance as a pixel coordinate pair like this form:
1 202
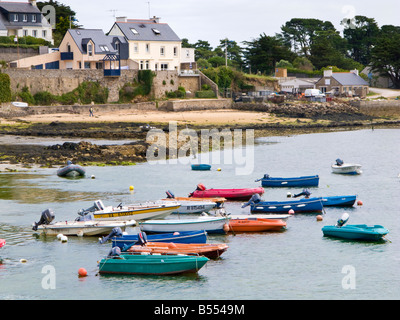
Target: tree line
309 46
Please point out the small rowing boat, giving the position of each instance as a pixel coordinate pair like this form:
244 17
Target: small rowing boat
229 194
339 201
201 167
71 170
254 224
304 181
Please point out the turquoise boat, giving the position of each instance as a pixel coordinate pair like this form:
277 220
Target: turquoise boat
151 264
201 167
355 231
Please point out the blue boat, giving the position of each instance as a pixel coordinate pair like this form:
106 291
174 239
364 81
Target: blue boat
354 232
305 181
71 170
126 241
298 206
339 201
201 167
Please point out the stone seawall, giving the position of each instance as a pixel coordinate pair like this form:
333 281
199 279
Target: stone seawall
197 104
378 108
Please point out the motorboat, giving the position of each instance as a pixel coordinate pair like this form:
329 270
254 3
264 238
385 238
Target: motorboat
71 170
341 167
229 194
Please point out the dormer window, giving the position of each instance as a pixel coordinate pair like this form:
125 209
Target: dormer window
90 49
134 31
15 18
34 18
25 18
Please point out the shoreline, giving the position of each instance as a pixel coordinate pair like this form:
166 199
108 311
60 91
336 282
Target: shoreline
120 125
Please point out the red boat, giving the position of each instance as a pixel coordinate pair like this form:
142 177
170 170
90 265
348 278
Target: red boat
2 242
229 194
256 225
209 250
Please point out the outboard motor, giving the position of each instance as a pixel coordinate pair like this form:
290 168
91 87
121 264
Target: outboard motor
46 218
255 198
343 220
266 176
142 239
170 195
339 162
306 193
114 252
97 206
115 232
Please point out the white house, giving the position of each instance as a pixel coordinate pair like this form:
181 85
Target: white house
297 85
152 45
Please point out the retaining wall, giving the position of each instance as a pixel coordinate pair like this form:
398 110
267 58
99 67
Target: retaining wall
378 108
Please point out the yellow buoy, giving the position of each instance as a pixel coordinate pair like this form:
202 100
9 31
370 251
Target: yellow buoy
23 260
131 188
219 169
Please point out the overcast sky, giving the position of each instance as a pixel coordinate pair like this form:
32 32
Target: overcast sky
239 20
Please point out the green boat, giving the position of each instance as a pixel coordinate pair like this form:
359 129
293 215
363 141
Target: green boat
151 264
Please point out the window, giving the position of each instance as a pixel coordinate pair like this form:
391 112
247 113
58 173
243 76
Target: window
68 47
99 65
25 18
162 51
135 48
134 31
147 47
164 66
90 49
104 48
25 33
34 18
44 33
15 18
187 54
175 51
87 65
147 64
156 31
141 64
34 33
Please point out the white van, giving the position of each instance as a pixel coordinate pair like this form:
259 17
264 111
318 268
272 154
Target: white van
314 93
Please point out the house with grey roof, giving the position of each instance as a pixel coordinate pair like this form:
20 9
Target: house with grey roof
152 45
343 84
23 19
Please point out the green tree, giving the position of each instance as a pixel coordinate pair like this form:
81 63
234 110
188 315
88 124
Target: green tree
385 55
263 53
361 34
234 52
203 50
5 87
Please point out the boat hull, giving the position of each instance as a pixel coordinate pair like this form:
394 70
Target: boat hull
72 170
298 206
201 167
339 201
209 250
2 243
350 169
229 194
188 207
138 213
126 241
152 264
356 232
255 225
209 224
83 228
305 181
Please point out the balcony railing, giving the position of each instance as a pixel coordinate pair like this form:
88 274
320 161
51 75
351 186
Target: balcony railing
67 56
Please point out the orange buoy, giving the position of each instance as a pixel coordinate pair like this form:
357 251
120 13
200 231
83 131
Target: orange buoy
226 227
320 218
359 203
82 272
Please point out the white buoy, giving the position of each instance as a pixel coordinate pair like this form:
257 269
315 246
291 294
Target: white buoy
64 239
59 236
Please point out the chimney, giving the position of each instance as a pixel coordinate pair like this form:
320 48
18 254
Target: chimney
156 19
33 3
121 19
355 72
328 73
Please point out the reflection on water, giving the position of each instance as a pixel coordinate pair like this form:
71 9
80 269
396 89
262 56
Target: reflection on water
16 236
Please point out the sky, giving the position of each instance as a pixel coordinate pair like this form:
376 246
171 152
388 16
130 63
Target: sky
238 20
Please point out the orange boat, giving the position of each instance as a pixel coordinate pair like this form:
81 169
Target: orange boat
255 225
209 250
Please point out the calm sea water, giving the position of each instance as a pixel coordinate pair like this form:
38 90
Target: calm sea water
298 263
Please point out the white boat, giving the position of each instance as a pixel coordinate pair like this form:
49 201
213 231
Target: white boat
19 104
346 168
79 227
138 212
83 228
188 207
207 223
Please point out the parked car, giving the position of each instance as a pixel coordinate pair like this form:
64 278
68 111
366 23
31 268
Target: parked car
316 93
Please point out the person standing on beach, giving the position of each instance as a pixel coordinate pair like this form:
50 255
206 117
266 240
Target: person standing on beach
91 112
